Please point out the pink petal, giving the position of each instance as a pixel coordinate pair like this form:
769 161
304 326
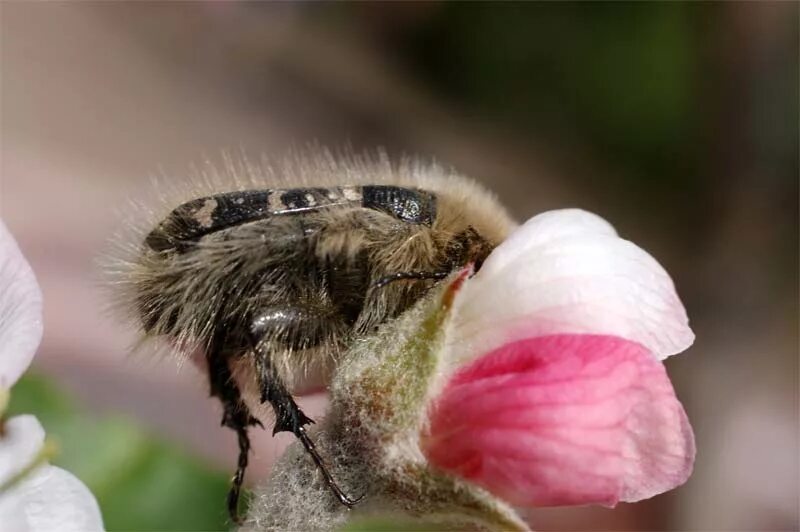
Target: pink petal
568 272
20 311
563 419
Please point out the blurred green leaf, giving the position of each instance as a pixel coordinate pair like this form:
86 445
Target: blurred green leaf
141 482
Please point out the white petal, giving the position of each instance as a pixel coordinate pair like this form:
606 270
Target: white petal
20 311
20 443
49 500
544 228
567 272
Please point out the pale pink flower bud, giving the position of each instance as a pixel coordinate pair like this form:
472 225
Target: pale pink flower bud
558 396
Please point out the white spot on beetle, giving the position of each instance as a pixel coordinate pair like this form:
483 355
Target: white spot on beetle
205 214
311 200
351 193
275 201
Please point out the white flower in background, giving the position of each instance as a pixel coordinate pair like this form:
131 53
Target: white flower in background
34 495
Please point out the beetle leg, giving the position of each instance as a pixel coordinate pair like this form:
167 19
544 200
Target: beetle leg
288 416
236 417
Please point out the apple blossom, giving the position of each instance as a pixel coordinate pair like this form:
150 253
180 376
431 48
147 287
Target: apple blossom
34 495
562 399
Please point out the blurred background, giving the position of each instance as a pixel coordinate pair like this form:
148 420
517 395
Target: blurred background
678 122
